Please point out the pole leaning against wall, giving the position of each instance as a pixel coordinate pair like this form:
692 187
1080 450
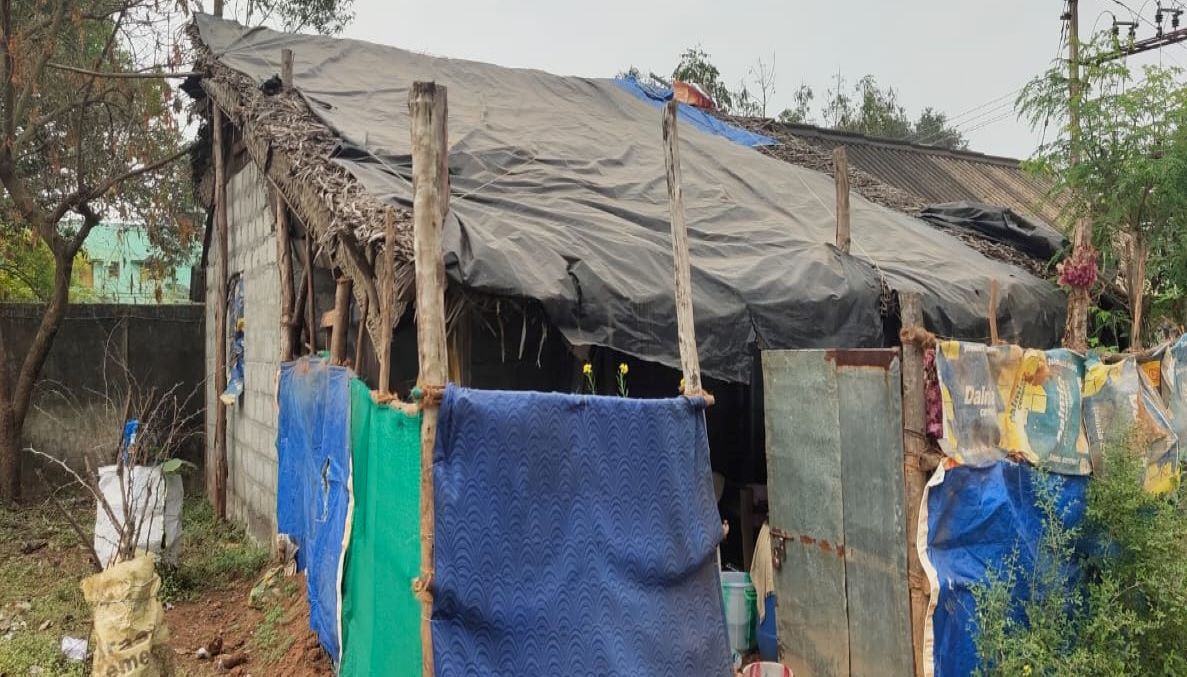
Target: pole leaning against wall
430 202
218 481
681 266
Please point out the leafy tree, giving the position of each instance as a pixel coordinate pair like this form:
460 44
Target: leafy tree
800 113
695 67
932 129
328 17
1126 173
89 130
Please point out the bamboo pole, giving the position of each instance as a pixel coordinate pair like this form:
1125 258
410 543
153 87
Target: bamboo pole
341 328
841 175
362 329
220 319
914 473
994 339
430 187
387 296
284 265
311 294
681 265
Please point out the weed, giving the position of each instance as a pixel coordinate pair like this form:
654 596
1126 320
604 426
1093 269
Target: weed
270 641
215 555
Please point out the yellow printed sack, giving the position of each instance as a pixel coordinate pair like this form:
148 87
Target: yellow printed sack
131 638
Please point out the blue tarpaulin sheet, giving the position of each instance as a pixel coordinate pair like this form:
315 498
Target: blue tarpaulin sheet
976 519
313 483
575 535
702 120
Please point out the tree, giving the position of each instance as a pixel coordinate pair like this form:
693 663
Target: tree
324 16
1126 173
762 75
801 113
696 68
932 129
89 130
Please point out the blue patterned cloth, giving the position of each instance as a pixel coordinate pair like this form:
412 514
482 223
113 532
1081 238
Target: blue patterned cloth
576 535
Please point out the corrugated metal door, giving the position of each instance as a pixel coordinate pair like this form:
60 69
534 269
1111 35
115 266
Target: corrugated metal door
835 486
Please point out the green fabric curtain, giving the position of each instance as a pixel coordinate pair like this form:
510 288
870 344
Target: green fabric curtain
380 616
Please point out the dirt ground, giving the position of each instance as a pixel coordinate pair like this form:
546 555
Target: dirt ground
42 562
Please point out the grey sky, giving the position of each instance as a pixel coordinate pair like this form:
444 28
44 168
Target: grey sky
955 56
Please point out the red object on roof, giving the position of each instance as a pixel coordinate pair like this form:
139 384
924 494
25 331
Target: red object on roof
692 94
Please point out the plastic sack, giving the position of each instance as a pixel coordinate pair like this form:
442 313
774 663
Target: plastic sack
153 499
131 638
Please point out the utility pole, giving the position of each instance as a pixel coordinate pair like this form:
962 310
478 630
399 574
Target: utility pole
1075 332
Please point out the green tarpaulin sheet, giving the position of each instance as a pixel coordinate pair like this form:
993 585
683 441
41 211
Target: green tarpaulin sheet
380 616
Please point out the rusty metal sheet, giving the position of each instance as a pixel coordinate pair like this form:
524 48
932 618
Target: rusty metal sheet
835 486
870 417
804 489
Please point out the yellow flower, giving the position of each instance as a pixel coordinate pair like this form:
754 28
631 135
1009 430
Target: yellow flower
587 369
1026 669
623 369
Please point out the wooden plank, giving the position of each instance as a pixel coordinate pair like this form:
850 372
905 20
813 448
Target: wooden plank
310 293
804 473
219 483
914 473
338 333
430 201
681 265
359 332
387 294
284 266
841 175
286 69
870 415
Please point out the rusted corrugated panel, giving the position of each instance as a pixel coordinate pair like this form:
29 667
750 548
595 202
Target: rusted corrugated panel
835 485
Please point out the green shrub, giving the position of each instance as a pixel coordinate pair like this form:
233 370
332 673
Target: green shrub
1129 614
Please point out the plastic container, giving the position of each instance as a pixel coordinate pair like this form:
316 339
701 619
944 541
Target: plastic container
768 640
741 609
765 669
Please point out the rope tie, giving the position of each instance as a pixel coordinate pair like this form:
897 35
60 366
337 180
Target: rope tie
422 588
917 335
427 396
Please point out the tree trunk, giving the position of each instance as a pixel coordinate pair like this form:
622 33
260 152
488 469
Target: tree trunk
1139 253
1075 331
16 398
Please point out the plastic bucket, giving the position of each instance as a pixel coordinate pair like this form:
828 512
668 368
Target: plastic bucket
767 670
741 609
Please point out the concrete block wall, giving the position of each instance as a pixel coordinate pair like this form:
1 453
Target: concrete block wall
251 423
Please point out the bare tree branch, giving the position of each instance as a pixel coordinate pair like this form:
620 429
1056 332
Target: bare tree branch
123 74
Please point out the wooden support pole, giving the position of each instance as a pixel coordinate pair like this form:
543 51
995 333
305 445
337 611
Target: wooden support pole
841 174
689 362
286 69
387 296
993 292
914 464
311 293
219 484
284 265
430 201
218 8
341 328
359 332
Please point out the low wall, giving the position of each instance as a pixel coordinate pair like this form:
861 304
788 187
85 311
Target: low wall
100 347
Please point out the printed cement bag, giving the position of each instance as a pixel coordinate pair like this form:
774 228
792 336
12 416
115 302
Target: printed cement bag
1120 402
1000 401
131 638
152 498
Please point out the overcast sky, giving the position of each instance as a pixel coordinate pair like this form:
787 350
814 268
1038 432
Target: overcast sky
955 56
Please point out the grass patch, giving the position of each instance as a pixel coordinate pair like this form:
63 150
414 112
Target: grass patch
214 554
40 598
270 642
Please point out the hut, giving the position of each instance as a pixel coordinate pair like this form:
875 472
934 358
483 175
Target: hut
556 245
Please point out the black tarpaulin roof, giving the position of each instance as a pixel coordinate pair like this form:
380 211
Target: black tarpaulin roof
558 194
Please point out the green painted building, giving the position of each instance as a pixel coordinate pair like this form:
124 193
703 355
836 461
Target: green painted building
116 269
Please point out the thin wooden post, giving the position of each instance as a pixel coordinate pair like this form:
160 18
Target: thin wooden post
311 294
682 268
286 69
430 189
218 8
284 265
341 328
914 472
387 296
358 338
841 174
993 292
220 318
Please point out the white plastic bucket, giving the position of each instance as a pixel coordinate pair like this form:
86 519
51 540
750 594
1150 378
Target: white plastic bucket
763 669
741 609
